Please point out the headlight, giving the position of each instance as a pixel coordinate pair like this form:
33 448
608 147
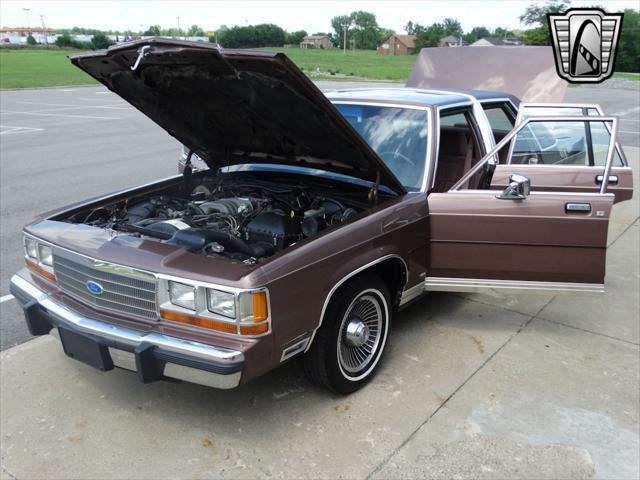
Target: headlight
31 248
46 255
222 303
182 295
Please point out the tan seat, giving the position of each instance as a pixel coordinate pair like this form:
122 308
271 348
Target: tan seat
455 157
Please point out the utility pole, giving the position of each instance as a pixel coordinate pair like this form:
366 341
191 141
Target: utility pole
44 31
28 21
178 26
345 25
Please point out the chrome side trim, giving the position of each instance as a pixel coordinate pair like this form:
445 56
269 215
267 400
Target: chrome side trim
347 277
294 349
412 293
445 284
123 335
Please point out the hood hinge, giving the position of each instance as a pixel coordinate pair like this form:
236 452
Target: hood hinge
373 193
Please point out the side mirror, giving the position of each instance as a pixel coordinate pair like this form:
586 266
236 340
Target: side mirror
518 189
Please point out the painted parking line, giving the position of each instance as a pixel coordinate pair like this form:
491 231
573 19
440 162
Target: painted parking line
6 298
93 117
11 130
622 113
64 106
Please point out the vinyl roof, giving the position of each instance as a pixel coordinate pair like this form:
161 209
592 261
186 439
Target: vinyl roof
414 96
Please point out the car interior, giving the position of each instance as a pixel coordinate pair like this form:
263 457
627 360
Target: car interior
459 151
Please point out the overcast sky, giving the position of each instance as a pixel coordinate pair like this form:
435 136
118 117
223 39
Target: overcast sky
312 16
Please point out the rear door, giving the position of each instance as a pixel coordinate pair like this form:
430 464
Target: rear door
522 237
568 158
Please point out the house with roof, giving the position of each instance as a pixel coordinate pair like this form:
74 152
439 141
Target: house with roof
452 41
398 45
316 41
495 42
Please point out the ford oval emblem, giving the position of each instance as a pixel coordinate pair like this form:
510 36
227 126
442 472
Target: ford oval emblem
94 287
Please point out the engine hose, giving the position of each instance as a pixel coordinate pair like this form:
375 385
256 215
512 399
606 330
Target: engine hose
195 239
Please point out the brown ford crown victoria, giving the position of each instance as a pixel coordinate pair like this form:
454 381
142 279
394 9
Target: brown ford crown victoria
316 218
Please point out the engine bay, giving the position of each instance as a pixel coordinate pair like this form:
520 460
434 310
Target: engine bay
239 217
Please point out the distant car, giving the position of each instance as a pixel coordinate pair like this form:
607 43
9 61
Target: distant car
307 221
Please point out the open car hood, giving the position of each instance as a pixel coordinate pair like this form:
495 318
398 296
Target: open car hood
236 106
528 73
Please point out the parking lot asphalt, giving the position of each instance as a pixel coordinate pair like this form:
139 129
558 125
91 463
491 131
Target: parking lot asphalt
486 385
62 145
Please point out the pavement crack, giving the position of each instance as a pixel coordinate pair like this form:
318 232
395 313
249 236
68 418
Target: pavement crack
522 326
506 309
589 331
9 473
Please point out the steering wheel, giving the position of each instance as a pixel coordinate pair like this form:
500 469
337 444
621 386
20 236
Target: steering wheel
395 155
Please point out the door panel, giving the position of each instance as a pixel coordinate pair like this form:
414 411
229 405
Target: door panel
570 178
475 235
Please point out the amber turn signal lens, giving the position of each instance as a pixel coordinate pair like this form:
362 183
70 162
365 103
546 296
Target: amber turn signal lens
254 329
198 321
34 267
260 309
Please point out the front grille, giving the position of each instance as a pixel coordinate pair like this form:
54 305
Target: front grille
124 290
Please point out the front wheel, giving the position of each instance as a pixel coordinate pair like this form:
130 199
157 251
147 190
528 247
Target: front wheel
348 346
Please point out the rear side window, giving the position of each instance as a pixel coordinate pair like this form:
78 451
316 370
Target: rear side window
563 143
498 119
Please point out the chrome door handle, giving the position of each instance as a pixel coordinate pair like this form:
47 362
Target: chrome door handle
577 207
613 179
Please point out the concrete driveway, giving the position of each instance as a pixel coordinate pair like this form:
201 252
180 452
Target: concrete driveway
482 386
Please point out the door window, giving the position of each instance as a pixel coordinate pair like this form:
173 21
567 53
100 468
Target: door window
459 149
599 132
501 122
563 143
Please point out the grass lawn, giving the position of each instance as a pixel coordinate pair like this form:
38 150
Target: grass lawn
359 63
26 68
29 68
627 76
23 68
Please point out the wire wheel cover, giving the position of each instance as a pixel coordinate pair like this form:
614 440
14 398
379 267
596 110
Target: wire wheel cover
360 333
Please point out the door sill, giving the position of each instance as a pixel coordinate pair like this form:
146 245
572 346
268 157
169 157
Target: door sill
444 284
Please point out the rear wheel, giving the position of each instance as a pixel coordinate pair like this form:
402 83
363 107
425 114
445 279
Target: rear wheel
348 346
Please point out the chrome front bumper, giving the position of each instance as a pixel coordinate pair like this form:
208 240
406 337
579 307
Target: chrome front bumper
193 362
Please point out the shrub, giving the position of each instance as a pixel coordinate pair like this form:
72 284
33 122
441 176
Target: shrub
100 41
31 40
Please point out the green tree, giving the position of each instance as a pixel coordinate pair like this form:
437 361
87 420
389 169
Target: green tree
536 15
294 38
152 31
64 40
31 40
365 30
362 30
100 41
628 56
537 36
413 28
251 36
195 31
427 37
452 27
337 23
477 33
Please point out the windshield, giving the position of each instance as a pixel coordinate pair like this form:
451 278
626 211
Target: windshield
397 135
